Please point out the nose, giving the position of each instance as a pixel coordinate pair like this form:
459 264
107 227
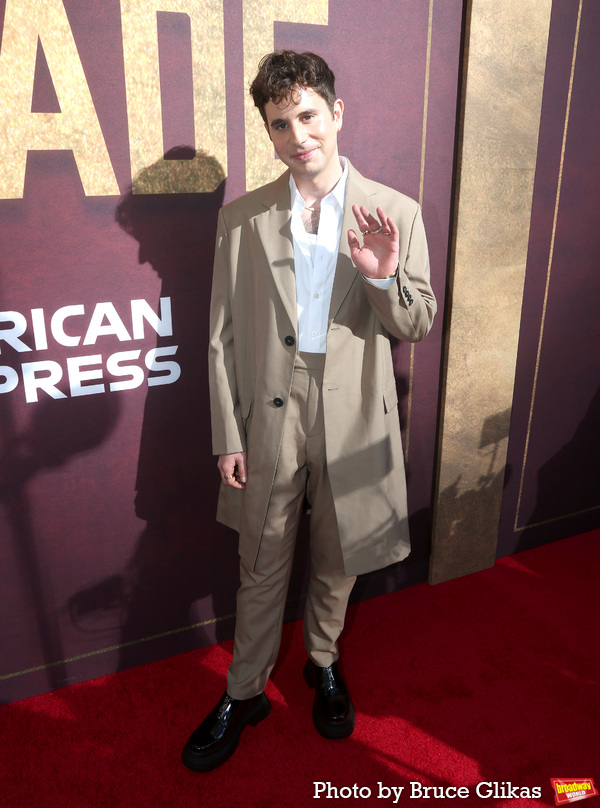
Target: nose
298 132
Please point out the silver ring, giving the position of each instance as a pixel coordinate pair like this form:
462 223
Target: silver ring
375 232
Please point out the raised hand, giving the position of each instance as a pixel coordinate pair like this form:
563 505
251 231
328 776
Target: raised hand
378 257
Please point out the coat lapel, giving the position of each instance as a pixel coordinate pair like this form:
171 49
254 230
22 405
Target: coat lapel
346 273
273 228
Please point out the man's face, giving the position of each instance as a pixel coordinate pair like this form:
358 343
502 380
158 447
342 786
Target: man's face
304 135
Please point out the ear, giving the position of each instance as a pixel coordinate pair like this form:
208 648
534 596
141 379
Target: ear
338 112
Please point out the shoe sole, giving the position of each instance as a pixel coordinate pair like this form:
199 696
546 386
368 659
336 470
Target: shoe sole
205 763
333 731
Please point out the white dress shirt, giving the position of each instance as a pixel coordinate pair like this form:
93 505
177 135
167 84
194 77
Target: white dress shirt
315 258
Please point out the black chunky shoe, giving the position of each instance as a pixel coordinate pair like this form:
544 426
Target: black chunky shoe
217 737
333 713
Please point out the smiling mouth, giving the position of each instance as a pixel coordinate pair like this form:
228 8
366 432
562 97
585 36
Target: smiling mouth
305 155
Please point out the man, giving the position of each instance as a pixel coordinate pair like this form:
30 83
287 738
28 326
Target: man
303 395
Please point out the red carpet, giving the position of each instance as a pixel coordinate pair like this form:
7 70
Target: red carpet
492 678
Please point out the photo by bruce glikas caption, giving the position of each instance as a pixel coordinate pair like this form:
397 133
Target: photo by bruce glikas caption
504 790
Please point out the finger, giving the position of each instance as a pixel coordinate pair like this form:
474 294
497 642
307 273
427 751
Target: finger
394 232
360 219
365 219
387 226
382 218
372 223
242 472
354 245
233 483
353 238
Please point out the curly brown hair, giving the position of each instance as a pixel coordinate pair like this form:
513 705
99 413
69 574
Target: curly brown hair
282 73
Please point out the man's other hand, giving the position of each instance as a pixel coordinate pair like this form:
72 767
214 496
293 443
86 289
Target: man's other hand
233 469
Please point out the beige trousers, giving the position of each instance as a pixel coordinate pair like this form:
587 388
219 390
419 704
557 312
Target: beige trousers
301 471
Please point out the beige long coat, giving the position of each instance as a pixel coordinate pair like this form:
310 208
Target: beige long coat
251 360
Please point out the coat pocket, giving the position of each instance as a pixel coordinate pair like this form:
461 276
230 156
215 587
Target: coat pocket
390 397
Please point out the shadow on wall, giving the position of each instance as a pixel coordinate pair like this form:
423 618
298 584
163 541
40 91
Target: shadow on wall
181 556
463 510
59 430
568 485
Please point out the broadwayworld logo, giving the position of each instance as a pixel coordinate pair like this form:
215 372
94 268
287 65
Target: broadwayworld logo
571 789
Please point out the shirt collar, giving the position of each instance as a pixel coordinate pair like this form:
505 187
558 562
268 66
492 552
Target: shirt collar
338 193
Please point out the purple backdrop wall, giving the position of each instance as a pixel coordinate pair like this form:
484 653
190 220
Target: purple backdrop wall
553 479
109 554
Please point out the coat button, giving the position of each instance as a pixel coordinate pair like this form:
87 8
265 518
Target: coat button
278 402
289 340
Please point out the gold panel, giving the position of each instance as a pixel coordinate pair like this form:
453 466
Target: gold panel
501 106
75 127
142 81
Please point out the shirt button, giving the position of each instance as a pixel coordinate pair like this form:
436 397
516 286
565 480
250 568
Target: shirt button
316 295
278 402
289 340
314 333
